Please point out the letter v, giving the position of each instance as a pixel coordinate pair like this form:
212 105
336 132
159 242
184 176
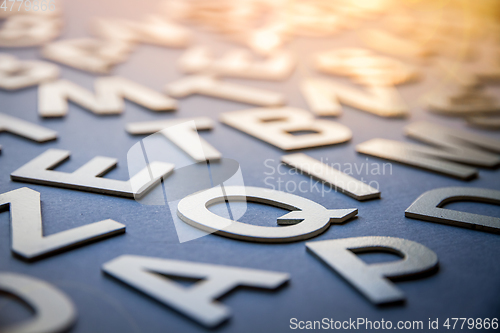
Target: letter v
27 230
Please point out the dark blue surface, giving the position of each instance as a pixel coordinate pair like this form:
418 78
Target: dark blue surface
466 285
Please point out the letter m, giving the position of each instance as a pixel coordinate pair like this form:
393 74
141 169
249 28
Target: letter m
108 98
449 148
